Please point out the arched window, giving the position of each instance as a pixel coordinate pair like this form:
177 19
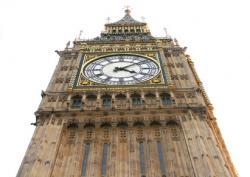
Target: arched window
174 130
76 101
122 124
106 100
90 102
166 99
121 101
91 97
120 97
150 99
155 123
136 99
150 95
106 125
139 129
123 129
89 125
139 123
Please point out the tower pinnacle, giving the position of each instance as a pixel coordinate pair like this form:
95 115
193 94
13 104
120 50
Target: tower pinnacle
127 10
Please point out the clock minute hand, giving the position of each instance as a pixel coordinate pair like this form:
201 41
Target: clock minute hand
130 65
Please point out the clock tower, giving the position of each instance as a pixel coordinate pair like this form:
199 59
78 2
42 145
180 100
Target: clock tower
126 104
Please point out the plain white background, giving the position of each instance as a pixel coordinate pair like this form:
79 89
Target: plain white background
216 33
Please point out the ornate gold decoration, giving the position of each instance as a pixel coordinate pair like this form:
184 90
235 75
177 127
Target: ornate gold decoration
156 79
84 81
90 57
151 55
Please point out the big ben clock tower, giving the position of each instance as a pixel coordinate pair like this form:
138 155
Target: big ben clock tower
126 104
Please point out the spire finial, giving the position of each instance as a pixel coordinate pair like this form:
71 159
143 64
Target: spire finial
80 34
67 45
127 10
166 32
108 20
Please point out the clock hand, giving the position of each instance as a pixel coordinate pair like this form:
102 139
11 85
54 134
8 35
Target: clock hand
131 71
117 69
132 64
123 69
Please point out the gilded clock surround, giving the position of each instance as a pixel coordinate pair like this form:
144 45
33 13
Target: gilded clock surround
81 81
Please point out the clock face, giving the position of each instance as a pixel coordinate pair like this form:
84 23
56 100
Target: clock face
121 69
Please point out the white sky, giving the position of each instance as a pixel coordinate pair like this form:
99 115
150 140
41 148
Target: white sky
216 33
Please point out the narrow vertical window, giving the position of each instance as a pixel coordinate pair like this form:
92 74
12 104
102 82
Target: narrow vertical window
136 99
161 157
85 159
166 99
142 160
106 100
76 101
104 158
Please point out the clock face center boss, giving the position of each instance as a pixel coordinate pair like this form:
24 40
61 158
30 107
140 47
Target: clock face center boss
121 69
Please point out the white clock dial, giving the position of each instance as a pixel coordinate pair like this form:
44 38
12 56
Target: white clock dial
121 69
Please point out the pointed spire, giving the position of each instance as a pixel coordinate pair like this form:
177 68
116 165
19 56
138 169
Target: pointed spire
126 28
127 19
67 45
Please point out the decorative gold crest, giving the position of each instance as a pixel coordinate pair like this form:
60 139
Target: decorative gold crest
84 81
156 80
90 57
151 55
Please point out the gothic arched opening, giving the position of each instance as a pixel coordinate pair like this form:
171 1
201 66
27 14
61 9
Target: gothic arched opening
136 99
76 101
106 100
166 99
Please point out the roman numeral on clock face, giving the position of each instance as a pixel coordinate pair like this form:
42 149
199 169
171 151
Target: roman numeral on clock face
142 62
145 74
107 79
134 78
98 75
108 60
121 59
121 80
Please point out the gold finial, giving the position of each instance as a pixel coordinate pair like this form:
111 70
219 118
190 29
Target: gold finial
176 42
166 32
108 19
67 45
127 9
80 34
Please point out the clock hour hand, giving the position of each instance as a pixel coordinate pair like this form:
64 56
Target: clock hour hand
131 71
123 69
